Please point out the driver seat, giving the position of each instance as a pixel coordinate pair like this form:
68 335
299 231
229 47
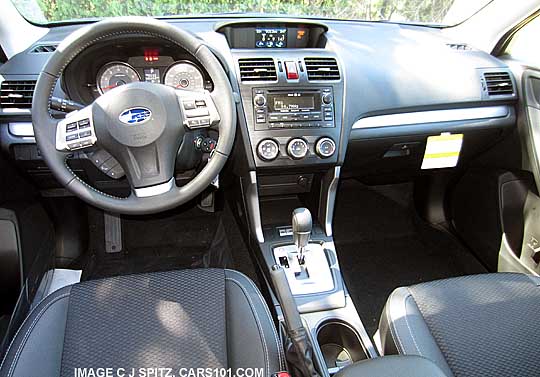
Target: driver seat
204 318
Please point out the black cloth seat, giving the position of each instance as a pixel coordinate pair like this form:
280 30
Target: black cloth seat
205 318
480 325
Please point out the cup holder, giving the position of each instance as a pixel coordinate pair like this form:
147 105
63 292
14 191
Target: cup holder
340 345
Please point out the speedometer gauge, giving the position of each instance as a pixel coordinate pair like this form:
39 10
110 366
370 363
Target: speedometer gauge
184 76
115 74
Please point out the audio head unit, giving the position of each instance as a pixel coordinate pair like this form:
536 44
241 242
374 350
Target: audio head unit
299 108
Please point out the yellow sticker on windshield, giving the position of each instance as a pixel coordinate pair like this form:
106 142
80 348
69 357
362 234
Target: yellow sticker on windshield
442 151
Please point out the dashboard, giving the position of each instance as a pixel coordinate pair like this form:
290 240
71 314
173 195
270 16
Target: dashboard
311 94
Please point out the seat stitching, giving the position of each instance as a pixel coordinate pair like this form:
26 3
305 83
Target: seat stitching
391 326
280 350
281 354
27 334
407 322
259 326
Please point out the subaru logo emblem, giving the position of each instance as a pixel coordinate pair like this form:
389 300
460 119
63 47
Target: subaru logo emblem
135 115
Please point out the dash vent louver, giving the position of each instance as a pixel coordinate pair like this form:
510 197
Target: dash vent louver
498 83
322 69
43 49
17 94
257 69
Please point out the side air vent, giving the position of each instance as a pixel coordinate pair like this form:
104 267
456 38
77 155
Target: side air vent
257 69
43 49
322 68
498 83
459 46
16 94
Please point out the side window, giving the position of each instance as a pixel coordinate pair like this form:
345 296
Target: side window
524 44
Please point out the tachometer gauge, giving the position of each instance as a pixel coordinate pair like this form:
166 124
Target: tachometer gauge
115 74
184 76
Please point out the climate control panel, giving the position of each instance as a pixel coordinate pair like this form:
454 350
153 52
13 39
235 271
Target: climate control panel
297 148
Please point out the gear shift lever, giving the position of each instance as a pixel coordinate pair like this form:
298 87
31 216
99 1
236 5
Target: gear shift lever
301 226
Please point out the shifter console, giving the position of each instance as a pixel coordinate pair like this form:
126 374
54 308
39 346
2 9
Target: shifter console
306 265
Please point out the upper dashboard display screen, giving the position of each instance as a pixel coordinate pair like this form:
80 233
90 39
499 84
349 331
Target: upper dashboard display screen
271 37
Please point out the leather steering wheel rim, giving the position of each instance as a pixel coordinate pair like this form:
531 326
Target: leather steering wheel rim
45 126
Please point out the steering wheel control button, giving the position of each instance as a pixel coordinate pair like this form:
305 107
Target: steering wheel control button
204 122
268 150
197 112
116 172
68 137
297 148
85 123
85 134
100 156
325 147
71 127
200 103
189 105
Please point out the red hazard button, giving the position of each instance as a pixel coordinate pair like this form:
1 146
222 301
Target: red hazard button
292 70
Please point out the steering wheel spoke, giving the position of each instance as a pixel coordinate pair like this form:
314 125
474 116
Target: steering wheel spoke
76 130
198 109
154 190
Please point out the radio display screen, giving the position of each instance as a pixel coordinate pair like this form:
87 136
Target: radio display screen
271 37
292 102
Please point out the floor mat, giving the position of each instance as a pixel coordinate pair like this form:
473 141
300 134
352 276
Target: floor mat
383 245
184 238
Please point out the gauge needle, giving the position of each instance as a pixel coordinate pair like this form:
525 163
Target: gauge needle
109 87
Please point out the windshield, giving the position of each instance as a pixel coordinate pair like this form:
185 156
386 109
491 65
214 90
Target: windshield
438 12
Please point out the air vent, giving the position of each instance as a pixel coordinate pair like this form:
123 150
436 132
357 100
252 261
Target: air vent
16 94
498 83
322 69
43 49
459 46
257 69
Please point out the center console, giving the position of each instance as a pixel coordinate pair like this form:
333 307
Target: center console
291 104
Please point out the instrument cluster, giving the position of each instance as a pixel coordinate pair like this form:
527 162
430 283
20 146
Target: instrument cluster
163 70
105 66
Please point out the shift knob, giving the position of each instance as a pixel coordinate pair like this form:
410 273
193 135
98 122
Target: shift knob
301 226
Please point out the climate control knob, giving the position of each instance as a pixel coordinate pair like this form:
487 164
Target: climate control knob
268 150
297 148
259 100
325 147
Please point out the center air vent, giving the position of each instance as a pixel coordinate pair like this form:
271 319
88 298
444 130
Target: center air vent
43 49
498 83
322 68
16 94
257 69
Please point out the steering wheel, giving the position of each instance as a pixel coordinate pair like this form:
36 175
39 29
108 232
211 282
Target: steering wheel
140 124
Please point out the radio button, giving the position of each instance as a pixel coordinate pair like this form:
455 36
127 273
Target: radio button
259 100
327 98
261 118
268 150
325 147
297 148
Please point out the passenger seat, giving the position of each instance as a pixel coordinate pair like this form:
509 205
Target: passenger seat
479 325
